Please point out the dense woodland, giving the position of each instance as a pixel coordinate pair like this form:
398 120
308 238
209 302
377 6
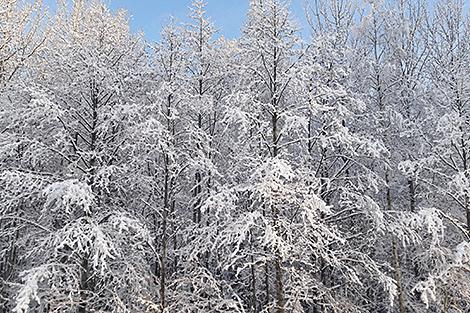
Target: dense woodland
267 174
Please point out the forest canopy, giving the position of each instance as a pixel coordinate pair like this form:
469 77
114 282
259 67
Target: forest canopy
271 173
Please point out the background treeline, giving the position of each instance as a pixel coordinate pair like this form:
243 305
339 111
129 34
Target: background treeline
271 173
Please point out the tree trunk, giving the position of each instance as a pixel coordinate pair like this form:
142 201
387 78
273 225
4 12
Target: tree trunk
398 278
279 286
166 202
84 276
412 190
395 255
253 287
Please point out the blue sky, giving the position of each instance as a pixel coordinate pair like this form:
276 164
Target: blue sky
227 15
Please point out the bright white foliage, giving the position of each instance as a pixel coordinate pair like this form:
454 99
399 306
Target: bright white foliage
268 173
68 195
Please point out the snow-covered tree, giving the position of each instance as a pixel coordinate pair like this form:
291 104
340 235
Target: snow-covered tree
21 35
443 168
91 253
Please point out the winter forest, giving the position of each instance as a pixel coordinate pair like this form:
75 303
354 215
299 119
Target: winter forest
274 173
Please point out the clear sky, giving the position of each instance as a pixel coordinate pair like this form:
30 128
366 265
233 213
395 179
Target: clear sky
227 15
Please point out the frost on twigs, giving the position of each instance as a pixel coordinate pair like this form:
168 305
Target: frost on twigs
456 272
273 172
29 291
87 238
69 195
213 294
427 291
410 227
62 254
